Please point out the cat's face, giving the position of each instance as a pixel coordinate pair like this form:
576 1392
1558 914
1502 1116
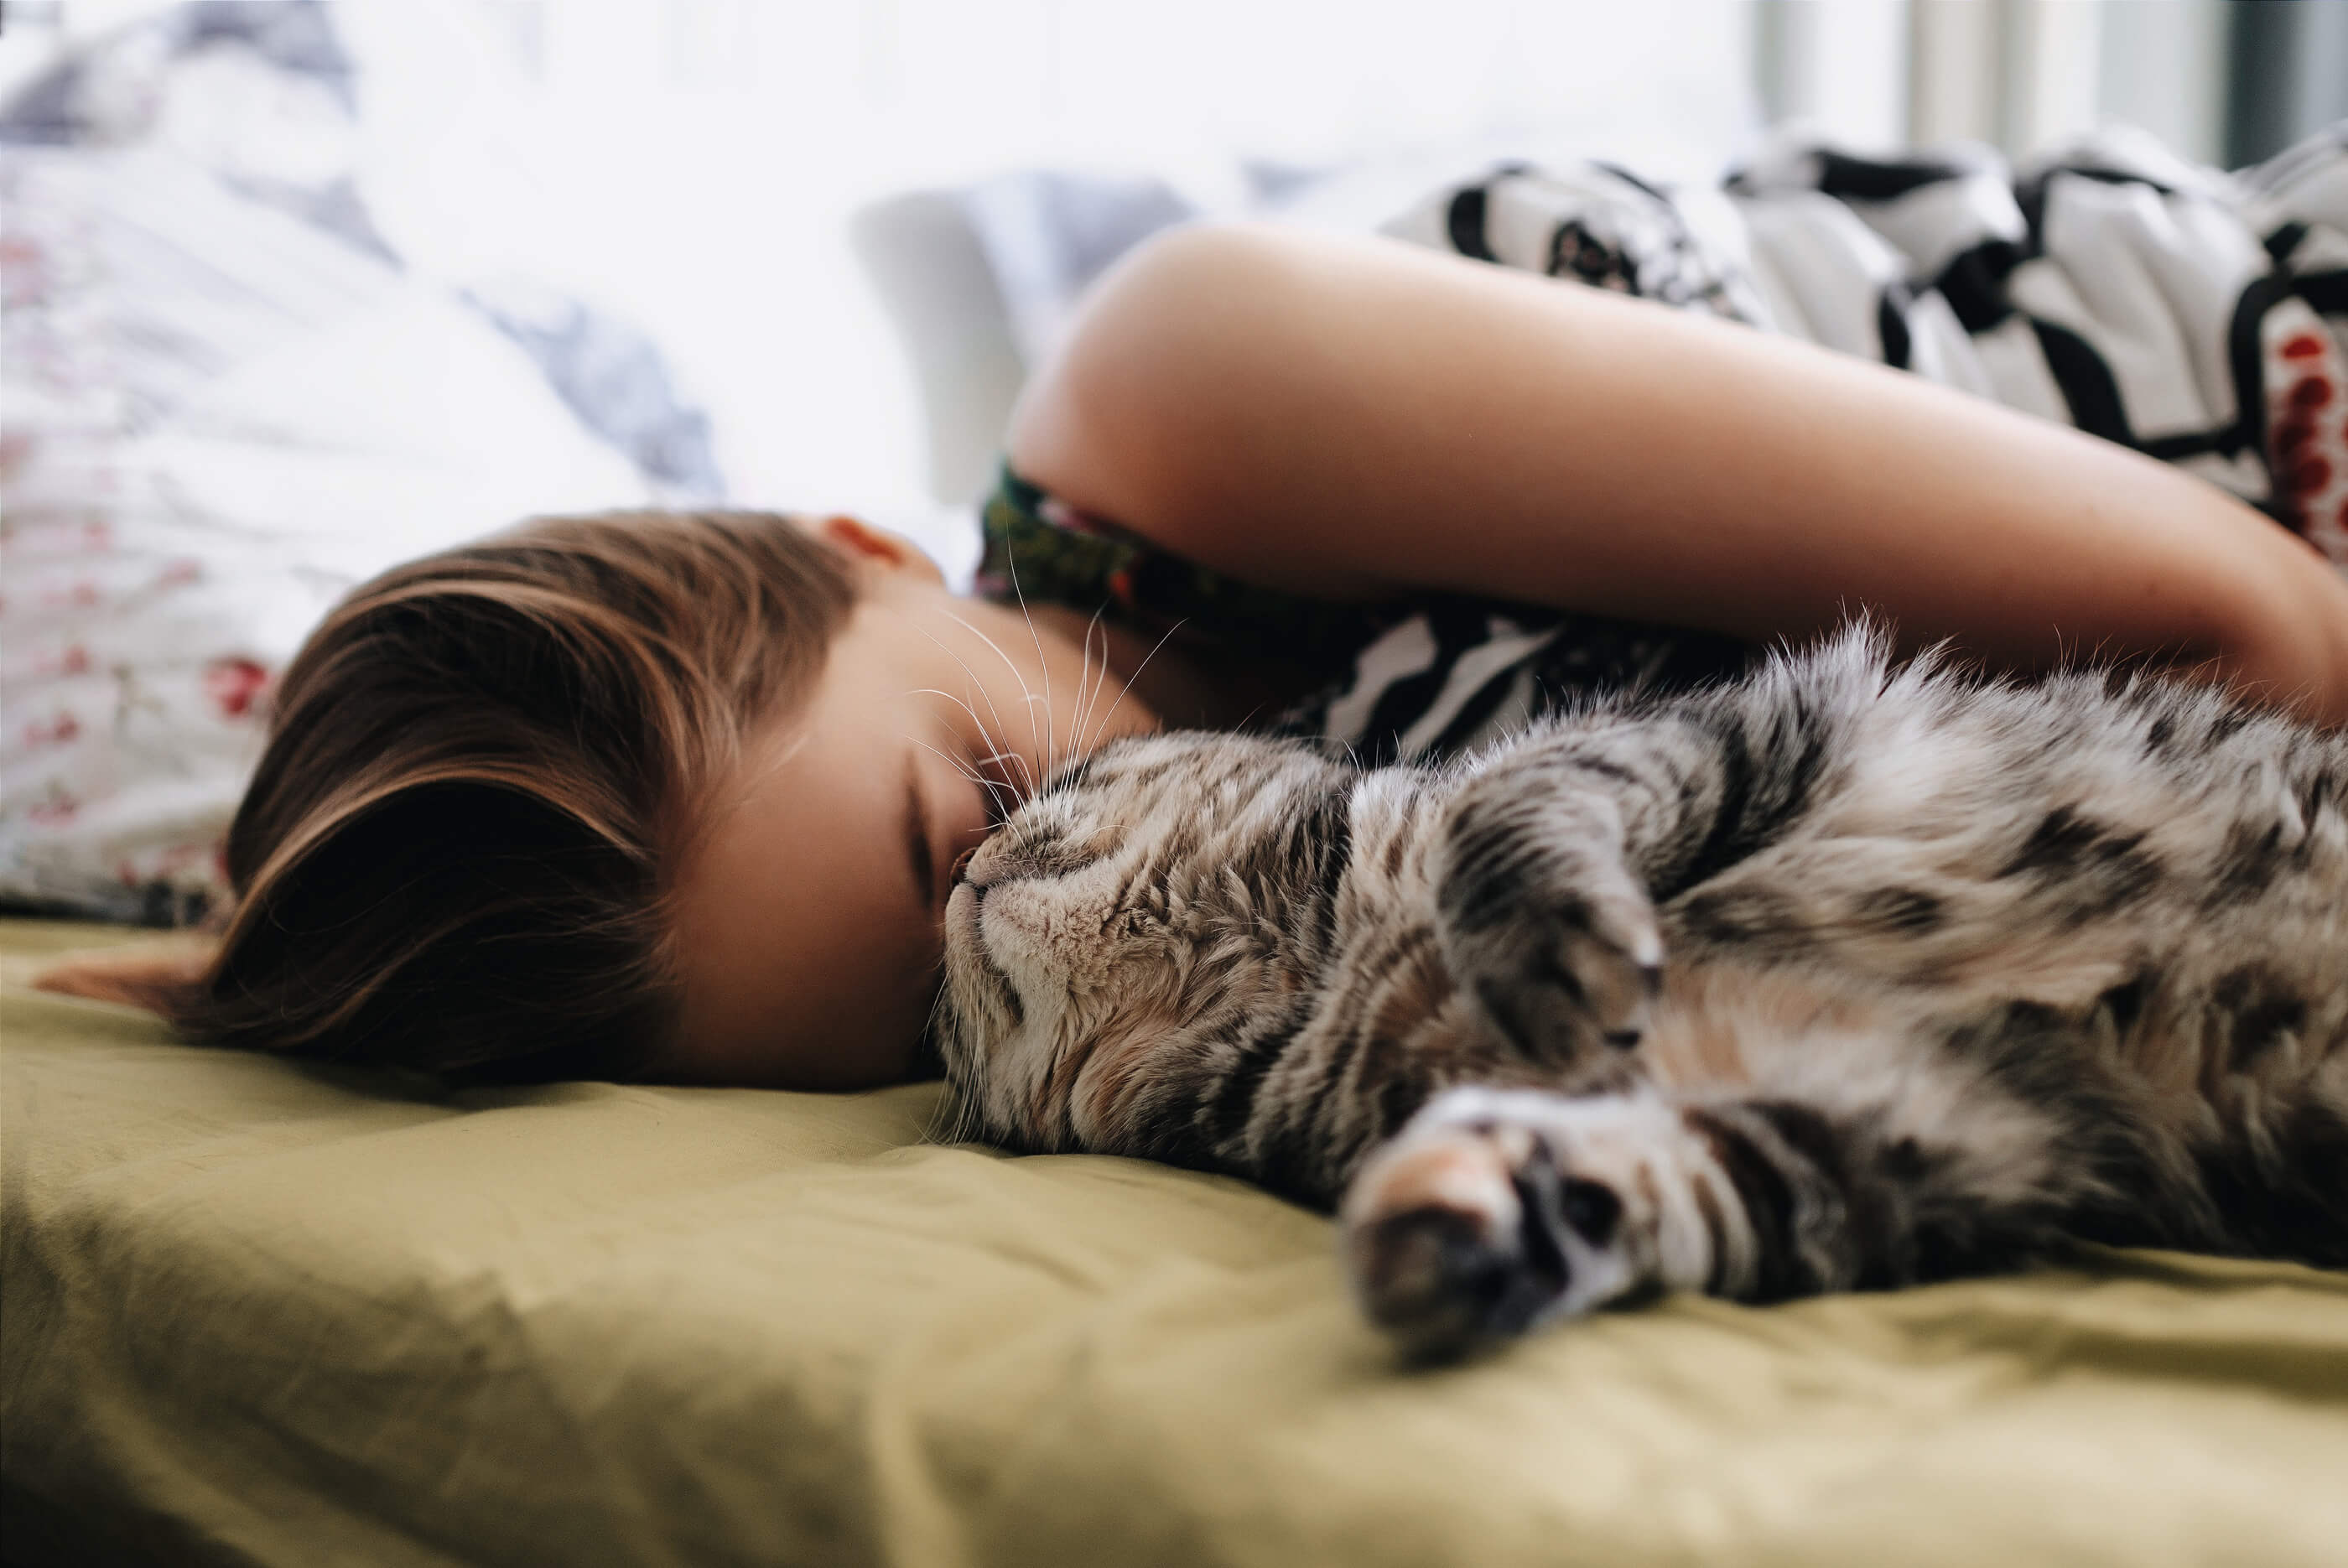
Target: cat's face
1159 889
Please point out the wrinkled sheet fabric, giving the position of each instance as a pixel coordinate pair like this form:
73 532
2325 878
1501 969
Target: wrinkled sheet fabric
254 1314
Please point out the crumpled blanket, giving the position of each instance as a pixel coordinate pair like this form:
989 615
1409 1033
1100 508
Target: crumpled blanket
262 1314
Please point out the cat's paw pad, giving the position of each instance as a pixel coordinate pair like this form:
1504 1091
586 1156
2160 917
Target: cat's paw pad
1480 1221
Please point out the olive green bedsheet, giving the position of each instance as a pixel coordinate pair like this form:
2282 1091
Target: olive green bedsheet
254 1314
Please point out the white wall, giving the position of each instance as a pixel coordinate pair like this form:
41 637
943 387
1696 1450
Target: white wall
2018 74
693 161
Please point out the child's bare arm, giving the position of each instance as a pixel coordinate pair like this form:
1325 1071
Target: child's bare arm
1345 416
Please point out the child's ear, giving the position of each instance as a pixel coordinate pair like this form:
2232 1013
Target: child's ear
860 540
162 978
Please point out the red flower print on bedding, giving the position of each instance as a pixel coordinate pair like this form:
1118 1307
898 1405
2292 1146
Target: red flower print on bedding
2306 433
237 686
58 810
56 731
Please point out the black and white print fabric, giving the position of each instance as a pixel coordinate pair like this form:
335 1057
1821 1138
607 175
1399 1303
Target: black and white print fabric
2194 315
1457 673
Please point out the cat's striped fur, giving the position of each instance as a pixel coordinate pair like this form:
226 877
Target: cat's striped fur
1846 976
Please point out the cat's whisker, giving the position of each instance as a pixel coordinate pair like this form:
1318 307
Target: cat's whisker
929 1027
1018 799
972 770
1084 679
1025 692
985 734
995 791
1043 664
980 687
1136 675
1086 703
955 1118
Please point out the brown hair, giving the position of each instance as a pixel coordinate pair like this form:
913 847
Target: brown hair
481 769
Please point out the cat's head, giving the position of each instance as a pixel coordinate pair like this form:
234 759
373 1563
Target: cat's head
1141 904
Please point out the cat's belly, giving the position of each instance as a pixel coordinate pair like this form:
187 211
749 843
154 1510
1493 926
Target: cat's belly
1731 1027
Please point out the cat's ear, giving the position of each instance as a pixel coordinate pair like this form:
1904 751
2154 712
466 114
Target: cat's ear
159 977
862 542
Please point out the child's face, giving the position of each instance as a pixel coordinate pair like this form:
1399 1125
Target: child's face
809 916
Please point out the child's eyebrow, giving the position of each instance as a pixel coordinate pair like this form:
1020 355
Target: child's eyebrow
917 833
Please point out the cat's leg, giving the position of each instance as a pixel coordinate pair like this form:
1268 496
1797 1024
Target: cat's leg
1497 1209
1543 920
1554 854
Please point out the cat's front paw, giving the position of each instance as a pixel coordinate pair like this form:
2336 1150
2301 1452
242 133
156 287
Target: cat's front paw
1494 1211
1546 929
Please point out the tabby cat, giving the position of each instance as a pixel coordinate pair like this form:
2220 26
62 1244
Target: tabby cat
1844 976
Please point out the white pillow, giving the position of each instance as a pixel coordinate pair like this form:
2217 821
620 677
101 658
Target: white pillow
218 419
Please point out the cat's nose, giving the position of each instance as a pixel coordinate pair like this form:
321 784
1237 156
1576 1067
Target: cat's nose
961 872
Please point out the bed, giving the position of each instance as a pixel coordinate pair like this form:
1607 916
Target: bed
262 1314
255 1313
